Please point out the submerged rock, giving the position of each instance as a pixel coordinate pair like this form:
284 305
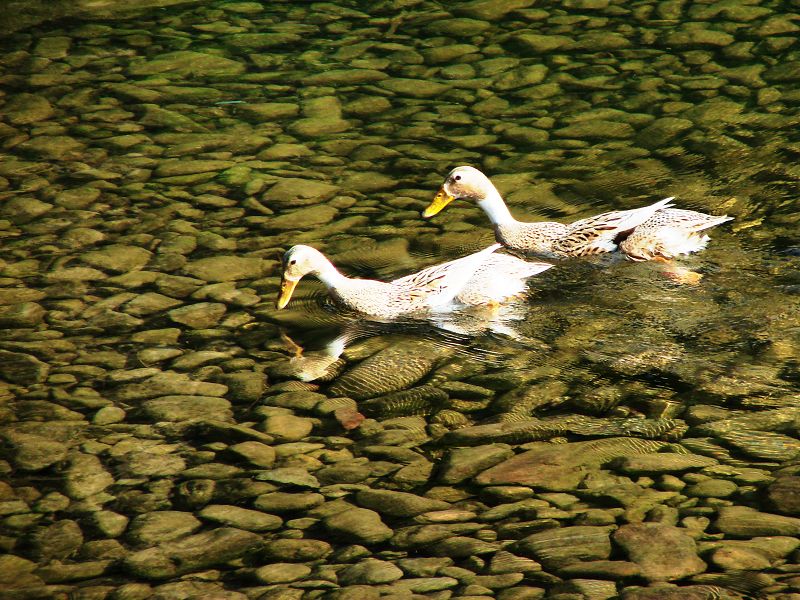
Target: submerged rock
562 467
21 368
191 553
743 521
362 524
33 452
673 559
188 64
563 546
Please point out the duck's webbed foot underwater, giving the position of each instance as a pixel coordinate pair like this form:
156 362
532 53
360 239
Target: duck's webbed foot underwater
295 348
679 274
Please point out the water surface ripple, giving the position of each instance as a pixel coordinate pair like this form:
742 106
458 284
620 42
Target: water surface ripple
167 433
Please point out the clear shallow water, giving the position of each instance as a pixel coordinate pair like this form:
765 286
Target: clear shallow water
135 149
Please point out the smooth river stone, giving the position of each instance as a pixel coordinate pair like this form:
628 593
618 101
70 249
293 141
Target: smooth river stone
457 27
188 64
255 41
370 105
301 550
183 408
765 420
662 131
303 218
742 521
156 117
673 557
201 315
562 546
538 43
243 518
788 71
287 428
22 315
521 77
53 147
338 77
22 369
294 191
596 129
23 209
771 548
367 182
255 453
268 111
358 524
150 303
662 462
16 571
193 553
173 167
562 467
398 504
490 10
280 502
77 198
11 296
150 464
33 452
225 268
369 572
448 54
166 384
462 463
697 38
313 127
58 541
784 494
24 109
117 257
281 573
415 88
160 526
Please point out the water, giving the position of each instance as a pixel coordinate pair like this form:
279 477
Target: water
144 155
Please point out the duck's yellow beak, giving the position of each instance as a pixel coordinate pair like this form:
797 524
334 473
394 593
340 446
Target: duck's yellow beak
440 200
287 289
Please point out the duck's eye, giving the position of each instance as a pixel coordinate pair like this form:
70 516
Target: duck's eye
293 261
457 177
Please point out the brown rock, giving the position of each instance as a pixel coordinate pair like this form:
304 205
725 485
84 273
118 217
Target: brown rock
784 495
561 467
664 552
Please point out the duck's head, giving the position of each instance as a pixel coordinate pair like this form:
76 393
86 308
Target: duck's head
297 262
461 182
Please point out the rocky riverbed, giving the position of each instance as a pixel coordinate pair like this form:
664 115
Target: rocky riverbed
166 433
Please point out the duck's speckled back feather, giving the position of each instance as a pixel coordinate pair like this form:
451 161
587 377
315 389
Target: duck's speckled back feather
669 233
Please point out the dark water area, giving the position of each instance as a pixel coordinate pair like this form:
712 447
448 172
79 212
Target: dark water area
625 430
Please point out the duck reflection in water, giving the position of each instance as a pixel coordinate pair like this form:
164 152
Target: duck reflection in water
470 331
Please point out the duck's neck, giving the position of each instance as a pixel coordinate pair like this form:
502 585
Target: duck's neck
330 276
496 209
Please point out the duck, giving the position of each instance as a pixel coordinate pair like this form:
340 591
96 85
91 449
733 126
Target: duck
481 278
593 235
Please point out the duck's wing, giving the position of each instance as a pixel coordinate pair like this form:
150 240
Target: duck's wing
686 220
599 233
500 278
439 284
669 233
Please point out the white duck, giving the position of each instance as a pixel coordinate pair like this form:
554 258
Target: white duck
479 278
